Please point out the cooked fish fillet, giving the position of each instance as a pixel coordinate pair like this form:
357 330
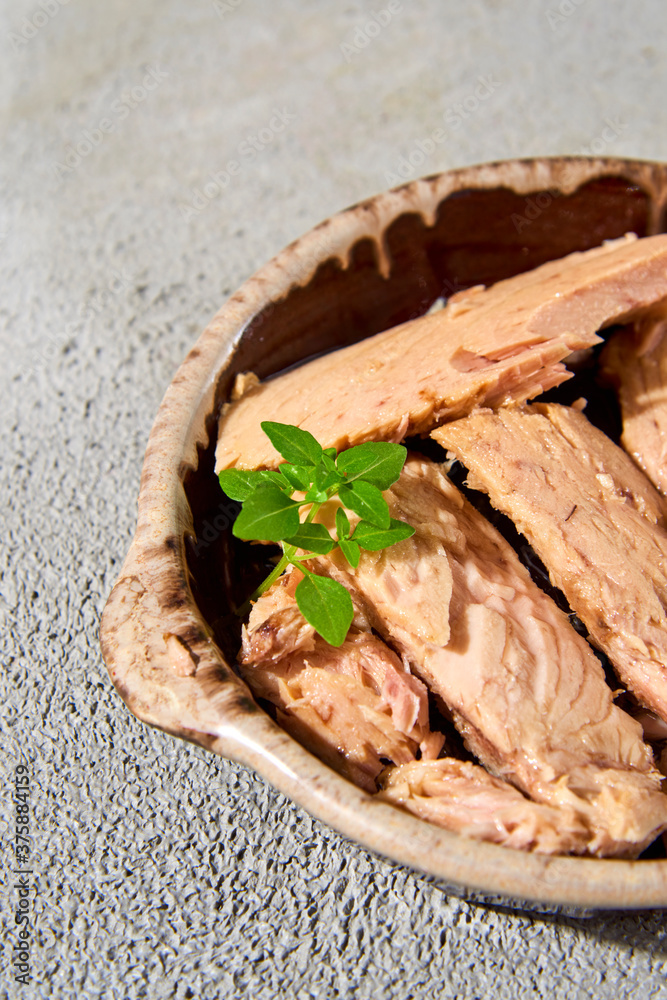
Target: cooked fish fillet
487 347
525 690
356 706
463 797
636 361
593 518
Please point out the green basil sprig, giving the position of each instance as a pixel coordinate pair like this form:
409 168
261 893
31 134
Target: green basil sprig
271 514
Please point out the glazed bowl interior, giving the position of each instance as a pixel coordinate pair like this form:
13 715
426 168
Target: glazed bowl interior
478 236
168 633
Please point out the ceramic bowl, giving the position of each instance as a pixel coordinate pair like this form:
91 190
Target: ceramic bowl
167 635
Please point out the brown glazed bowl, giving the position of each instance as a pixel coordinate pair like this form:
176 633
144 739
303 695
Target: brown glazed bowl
167 635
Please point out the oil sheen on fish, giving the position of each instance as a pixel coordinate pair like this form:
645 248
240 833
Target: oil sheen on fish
358 707
487 347
525 690
593 518
635 359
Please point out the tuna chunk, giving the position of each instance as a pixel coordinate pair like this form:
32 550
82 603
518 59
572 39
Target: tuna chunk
488 347
525 690
592 517
636 361
356 706
463 797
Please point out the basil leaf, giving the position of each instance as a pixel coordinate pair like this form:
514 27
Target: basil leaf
324 478
367 501
313 538
350 550
372 538
268 476
378 462
315 496
239 484
342 524
327 605
268 515
328 462
293 443
299 477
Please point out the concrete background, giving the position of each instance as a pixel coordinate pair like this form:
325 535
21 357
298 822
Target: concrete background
162 871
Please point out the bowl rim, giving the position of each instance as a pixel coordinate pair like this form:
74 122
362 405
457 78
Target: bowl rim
161 654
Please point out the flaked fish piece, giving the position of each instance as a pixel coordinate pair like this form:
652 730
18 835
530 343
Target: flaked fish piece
525 690
276 627
635 359
486 347
463 797
356 706
593 518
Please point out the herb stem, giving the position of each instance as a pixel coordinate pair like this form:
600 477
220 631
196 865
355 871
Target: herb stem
312 512
358 476
278 569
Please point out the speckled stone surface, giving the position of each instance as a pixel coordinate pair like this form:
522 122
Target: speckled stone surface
163 871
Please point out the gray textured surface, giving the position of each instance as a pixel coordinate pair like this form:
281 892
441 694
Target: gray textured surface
164 872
